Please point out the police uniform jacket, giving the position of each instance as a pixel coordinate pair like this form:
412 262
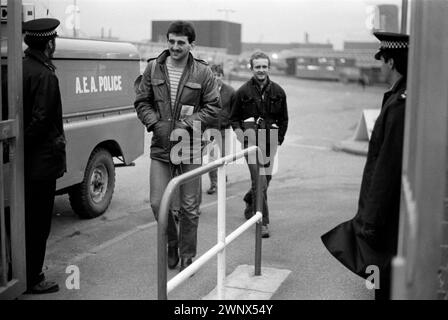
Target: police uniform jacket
371 237
196 88
45 157
268 104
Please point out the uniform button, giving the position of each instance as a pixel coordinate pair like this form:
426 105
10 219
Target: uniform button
169 119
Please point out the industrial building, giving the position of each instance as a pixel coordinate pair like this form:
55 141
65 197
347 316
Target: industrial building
355 61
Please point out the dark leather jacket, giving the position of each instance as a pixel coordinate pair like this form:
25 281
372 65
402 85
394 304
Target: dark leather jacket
268 105
45 156
196 88
227 94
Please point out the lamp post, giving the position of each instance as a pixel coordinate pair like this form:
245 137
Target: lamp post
404 16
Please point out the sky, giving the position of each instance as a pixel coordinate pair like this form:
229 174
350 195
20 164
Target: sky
279 21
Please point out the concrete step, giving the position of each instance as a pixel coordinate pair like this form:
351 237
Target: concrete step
243 284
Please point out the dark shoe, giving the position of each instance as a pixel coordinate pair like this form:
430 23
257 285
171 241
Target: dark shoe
265 231
212 190
248 212
173 257
185 263
43 287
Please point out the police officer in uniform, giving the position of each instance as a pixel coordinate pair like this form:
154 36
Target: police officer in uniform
45 158
371 237
260 104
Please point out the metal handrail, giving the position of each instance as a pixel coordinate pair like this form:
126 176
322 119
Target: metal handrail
219 164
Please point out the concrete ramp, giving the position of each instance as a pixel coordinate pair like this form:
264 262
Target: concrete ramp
365 125
242 284
359 143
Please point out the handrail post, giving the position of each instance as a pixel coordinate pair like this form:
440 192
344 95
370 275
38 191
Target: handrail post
221 265
258 208
162 223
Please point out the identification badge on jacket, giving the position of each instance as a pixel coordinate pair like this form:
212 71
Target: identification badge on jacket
186 111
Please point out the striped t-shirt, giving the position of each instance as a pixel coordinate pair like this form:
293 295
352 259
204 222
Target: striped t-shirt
174 74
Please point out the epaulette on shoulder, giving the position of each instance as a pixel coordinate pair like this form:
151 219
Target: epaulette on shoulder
201 61
403 95
50 66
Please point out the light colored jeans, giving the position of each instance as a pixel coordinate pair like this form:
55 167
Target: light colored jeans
186 202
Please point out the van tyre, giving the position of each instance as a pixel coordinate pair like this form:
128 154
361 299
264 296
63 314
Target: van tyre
92 196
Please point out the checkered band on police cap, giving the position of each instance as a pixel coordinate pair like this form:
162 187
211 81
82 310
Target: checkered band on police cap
391 41
393 45
41 34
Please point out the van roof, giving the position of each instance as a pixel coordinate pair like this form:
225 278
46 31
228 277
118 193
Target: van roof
69 48
86 49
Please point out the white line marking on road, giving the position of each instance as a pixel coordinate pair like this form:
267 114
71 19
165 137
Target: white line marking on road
146 226
215 202
298 145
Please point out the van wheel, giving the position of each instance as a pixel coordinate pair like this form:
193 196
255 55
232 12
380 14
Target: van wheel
92 196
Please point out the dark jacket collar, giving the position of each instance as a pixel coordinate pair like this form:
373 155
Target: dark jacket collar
41 57
254 82
161 59
399 85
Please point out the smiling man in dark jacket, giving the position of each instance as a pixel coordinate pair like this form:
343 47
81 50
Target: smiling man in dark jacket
45 159
260 110
177 91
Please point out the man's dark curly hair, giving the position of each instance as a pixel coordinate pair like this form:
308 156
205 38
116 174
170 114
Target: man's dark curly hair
183 28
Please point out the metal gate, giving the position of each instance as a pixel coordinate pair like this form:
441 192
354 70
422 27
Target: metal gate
12 209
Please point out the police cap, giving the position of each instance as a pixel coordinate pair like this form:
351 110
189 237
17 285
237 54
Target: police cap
41 28
391 42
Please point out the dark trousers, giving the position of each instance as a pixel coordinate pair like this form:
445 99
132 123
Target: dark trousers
250 195
39 201
383 293
268 152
